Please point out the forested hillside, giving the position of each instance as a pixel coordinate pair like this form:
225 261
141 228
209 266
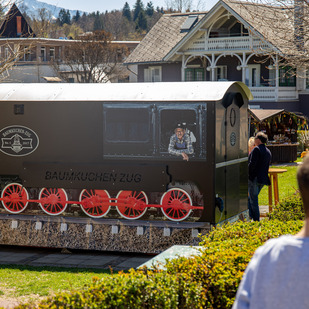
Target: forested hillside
126 24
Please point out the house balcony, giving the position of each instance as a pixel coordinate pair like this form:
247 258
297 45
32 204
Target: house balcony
261 94
241 43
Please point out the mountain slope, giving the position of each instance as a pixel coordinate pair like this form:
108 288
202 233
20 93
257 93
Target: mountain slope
31 7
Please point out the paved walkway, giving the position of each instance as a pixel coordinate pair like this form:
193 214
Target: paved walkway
30 256
75 258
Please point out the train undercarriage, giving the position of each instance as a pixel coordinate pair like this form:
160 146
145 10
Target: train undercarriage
176 204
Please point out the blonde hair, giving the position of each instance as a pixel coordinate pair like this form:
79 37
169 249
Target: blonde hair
251 143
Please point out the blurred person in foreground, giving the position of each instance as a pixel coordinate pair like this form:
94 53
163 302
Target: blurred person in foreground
276 277
258 165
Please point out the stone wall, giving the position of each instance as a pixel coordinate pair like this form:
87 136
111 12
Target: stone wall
98 234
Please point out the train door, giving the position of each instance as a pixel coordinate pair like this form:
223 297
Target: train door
232 150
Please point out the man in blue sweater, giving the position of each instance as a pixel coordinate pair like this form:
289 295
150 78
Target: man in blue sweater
258 165
277 275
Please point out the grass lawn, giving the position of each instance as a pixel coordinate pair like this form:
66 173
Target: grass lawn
286 181
25 283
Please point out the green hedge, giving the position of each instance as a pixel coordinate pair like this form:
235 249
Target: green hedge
136 289
227 251
288 209
206 281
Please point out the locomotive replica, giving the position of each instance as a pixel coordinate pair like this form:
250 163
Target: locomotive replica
104 152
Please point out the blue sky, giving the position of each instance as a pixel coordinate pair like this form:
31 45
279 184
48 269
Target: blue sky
109 5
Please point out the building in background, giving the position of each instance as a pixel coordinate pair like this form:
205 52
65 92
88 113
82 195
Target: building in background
34 57
226 43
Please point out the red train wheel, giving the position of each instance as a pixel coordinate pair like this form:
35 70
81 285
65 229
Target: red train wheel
132 204
53 201
176 204
15 198
95 203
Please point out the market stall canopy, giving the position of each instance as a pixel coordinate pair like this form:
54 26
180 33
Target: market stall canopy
262 114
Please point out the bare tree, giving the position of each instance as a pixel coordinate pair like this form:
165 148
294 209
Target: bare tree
184 5
93 58
285 25
41 22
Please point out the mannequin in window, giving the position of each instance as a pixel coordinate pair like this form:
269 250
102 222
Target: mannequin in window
180 144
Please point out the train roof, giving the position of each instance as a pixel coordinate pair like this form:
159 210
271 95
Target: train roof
140 92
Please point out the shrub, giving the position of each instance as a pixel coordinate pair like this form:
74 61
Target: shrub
226 252
135 289
288 209
206 281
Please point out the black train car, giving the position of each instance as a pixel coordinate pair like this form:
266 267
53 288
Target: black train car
107 149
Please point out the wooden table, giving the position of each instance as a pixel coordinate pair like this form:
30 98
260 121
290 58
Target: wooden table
273 175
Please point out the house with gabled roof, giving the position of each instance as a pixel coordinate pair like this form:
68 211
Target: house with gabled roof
30 58
15 25
229 42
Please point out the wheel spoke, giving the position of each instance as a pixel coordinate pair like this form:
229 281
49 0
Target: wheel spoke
53 200
93 202
131 204
175 204
15 198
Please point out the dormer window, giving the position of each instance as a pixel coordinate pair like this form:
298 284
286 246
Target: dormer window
189 23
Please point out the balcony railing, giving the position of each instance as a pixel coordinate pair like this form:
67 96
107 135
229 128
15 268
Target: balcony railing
227 44
274 94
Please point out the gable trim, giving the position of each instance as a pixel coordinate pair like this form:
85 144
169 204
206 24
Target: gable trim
208 16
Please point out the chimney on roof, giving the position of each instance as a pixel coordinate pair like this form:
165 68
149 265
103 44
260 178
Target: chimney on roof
18 25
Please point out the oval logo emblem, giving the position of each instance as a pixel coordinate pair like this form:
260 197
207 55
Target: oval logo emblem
18 141
233 139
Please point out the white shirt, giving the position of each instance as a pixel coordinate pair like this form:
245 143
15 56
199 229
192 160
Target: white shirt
277 276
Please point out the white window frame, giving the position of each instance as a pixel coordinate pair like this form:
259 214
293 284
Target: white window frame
153 74
43 53
6 53
27 53
221 73
272 77
249 75
52 53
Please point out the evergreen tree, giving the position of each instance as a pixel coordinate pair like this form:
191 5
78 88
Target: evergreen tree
149 9
160 10
126 11
64 17
68 18
77 16
138 7
98 22
141 21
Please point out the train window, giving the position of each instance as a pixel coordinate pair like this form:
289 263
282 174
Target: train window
127 125
173 118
